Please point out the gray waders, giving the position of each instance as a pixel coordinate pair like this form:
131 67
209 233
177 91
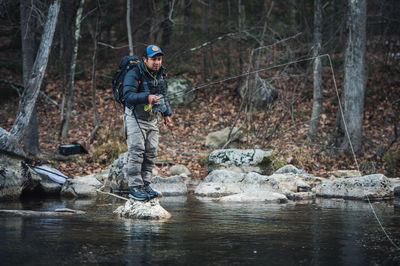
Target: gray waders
142 141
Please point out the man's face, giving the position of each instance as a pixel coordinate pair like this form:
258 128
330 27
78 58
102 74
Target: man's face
153 63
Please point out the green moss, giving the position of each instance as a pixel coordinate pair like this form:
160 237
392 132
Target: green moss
392 160
266 161
270 164
367 168
278 163
203 159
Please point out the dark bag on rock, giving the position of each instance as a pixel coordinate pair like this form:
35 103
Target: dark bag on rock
69 149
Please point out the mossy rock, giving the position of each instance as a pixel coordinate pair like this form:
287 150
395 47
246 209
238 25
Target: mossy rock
248 160
180 92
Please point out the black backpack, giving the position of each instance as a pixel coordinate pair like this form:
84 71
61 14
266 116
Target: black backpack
127 63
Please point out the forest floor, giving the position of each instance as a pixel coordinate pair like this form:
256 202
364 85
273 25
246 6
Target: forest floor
216 107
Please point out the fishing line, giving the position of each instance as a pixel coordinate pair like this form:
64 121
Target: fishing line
340 108
354 155
175 95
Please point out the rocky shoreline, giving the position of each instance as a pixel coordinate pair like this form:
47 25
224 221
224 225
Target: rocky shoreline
234 176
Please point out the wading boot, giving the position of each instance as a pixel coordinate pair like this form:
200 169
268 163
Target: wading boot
153 194
138 193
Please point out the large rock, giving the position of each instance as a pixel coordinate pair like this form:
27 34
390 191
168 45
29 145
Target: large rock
49 187
255 160
266 197
289 169
180 92
148 210
179 169
374 186
102 176
221 183
288 183
260 92
116 179
169 186
81 187
344 174
16 177
218 139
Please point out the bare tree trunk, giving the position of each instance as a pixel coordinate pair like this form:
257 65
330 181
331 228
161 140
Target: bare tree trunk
65 35
317 73
167 25
27 40
293 11
31 139
128 26
187 17
354 74
204 29
94 58
28 99
67 117
240 24
229 45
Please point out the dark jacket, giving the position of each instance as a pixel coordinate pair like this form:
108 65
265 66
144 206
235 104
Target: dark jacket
138 84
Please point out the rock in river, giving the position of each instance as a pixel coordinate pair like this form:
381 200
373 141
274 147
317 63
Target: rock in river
148 210
81 187
233 186
375 186
254 196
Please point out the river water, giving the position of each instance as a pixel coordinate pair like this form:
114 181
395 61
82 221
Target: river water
319 232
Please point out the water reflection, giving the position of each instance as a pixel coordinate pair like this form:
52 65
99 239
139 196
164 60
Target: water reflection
200 232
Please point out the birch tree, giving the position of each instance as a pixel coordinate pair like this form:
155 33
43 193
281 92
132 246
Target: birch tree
204 30
67 116
28 99
317 75
128 26
95 36
354 75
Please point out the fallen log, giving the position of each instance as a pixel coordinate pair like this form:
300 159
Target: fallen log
30 213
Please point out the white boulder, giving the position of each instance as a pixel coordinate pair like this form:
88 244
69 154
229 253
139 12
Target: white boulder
169 186
81 187
375 186
148 210
249 160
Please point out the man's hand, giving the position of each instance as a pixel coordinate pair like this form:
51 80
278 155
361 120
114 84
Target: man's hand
167 120
152 98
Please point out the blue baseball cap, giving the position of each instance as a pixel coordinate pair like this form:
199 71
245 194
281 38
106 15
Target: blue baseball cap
152 50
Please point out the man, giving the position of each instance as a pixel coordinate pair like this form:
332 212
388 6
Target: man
144 96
